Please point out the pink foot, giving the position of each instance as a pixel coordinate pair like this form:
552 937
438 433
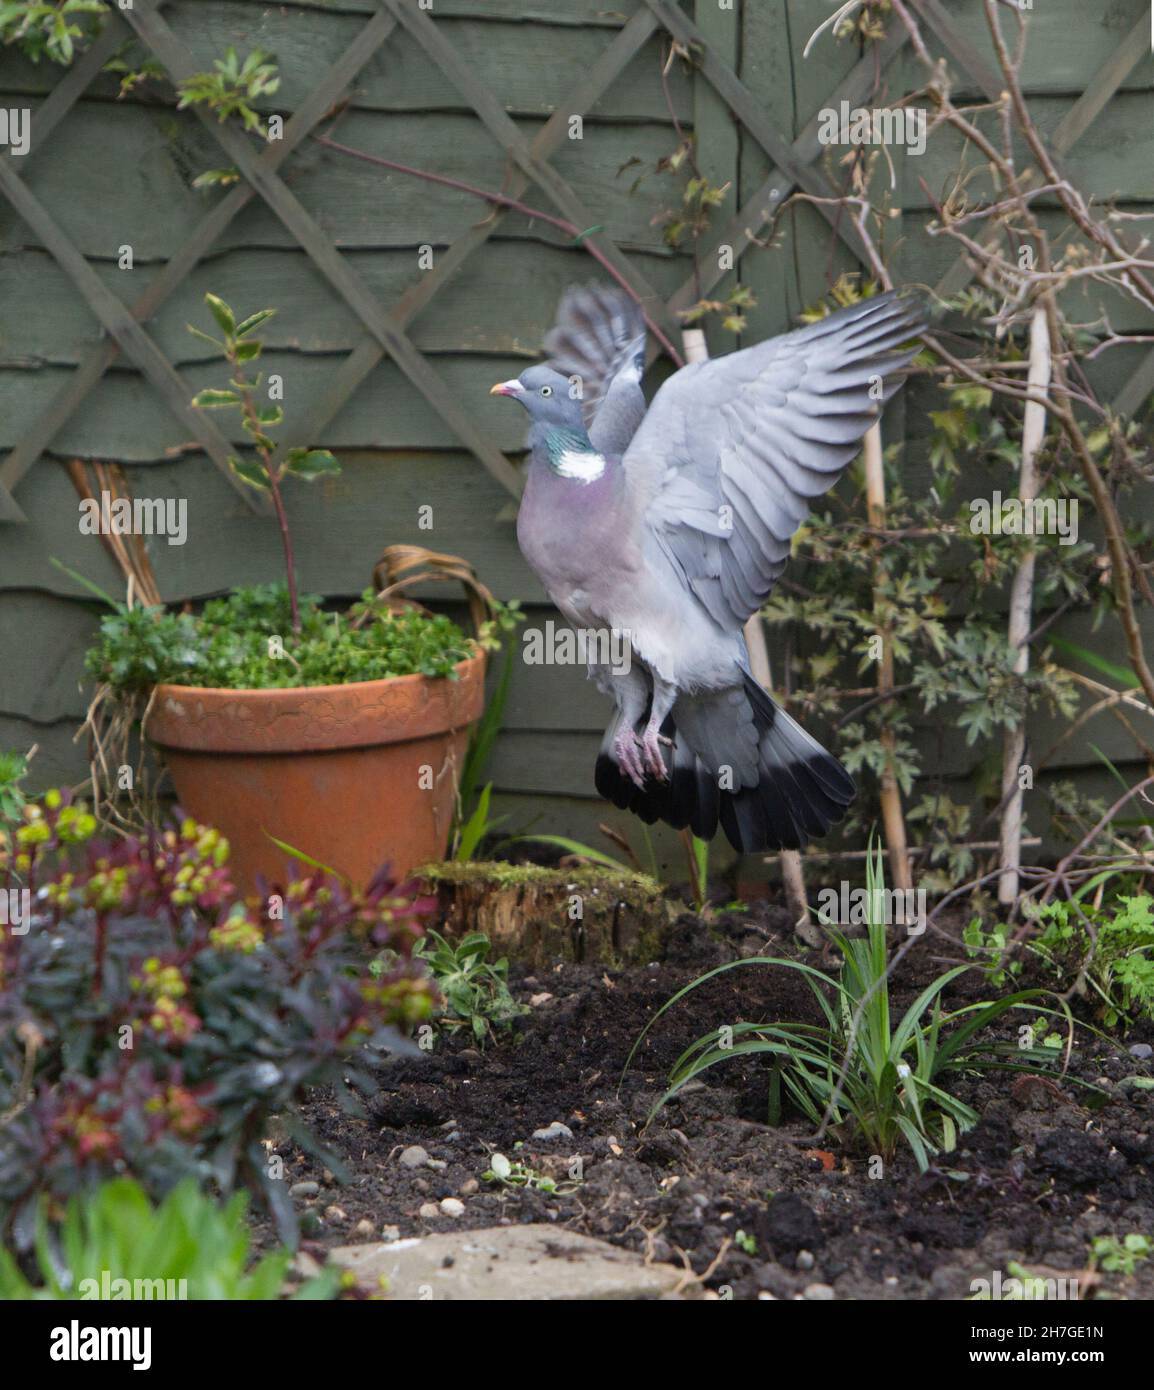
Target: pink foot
651 742
625 749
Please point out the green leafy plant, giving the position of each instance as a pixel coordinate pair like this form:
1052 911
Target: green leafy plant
474 825
1111 947
232 87
114 1242
152 1020
505 1172
50 30
475 989
480 824
13 770
267 471
241 642
1120 1256
879 1077
935 585
134 69
990 949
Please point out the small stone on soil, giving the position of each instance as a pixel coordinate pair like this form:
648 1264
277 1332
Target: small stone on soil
304 1189
819 1293
1142 1051
429 1211
414 1157
452 1206
554 1131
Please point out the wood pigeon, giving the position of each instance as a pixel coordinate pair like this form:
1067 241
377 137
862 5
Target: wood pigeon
668 526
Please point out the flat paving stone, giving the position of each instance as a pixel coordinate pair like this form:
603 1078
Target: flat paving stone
510 1263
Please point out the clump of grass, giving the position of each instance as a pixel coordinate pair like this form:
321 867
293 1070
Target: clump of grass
876 1077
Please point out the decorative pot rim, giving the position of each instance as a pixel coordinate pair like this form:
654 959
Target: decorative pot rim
463 668
315 718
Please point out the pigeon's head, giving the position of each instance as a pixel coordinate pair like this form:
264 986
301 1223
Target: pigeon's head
546 395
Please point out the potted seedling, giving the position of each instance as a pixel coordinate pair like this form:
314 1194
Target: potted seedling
337 736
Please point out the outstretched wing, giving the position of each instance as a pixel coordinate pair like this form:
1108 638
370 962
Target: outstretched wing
733 450
599 337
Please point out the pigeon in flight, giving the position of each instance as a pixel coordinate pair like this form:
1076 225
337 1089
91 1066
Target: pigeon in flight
669 525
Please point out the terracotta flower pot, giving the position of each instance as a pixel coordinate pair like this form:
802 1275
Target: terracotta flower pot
353 775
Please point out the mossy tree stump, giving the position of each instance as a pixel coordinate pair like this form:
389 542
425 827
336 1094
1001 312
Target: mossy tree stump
541 916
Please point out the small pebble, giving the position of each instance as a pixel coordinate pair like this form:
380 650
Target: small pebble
555 1131
364 1228
437 1164
805 1259
390 1233
452 1206
429 1211
1142 1051
468 1187
304 1189
336 1214
819 1293
414 1157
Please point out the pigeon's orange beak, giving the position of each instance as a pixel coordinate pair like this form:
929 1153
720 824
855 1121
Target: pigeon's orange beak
508 388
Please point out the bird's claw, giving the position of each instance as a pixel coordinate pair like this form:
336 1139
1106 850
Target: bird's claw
626 749
651 742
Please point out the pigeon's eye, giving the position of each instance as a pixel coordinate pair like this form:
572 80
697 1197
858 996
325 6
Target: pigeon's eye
546 390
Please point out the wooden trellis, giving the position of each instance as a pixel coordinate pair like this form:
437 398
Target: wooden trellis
794 166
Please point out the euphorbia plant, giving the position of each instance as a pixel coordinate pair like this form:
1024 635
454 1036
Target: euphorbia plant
152 1021
268 469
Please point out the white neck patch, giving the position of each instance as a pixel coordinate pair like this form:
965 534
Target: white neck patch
585 466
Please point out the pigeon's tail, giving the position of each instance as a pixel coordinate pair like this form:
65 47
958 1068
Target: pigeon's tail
778 798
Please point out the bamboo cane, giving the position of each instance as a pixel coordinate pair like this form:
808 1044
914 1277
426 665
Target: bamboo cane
1021 605
893 820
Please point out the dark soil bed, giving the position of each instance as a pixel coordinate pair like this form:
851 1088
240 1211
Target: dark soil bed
1049 1167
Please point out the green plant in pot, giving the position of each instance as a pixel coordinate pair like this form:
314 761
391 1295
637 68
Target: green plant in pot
338 736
